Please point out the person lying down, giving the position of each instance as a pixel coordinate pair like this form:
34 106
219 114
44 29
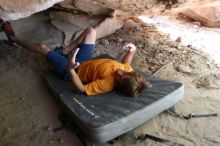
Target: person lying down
88 76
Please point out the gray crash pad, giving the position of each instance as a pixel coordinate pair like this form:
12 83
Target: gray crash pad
103 117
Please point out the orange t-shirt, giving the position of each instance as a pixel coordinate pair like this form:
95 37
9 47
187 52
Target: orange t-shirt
99 75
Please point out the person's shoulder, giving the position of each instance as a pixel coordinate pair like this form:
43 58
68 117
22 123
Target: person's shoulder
128 67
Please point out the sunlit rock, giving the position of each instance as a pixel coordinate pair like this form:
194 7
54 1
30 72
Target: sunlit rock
207 15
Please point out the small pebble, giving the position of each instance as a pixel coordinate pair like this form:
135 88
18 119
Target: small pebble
139 45
106 42
120 40
51 142
179 40
152 68
8 129
184 69
61 141
49 128
179 47
197 23
189 46
195 26
22 98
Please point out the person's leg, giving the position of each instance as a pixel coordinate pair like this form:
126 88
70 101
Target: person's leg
87 37
58 62
30 46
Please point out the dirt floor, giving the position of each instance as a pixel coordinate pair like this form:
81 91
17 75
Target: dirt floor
29 113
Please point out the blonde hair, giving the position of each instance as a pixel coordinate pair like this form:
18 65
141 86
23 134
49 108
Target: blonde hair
134 85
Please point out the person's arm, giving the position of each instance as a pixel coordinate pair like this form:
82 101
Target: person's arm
130 48
77 83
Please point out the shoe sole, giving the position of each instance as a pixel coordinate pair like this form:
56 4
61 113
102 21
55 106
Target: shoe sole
1 24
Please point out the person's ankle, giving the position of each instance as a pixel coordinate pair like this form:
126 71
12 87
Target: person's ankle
12 38
64 51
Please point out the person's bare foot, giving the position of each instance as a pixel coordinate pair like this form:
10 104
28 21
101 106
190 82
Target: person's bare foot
9 32
69 49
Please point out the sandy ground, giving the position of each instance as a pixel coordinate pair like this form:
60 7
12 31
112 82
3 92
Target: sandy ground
28 111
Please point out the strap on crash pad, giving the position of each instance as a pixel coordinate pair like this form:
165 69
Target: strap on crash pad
157 139
191 115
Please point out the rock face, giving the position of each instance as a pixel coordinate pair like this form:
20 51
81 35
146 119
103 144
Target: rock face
15 9
70 23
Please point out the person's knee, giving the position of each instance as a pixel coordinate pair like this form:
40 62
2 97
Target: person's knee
90 36
91 31
43 48
42 45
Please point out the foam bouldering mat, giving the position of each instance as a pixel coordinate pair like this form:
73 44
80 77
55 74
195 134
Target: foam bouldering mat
103 117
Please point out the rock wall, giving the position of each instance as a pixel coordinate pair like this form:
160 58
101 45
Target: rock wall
133 7
15 9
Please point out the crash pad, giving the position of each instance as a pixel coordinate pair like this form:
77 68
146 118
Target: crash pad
103 117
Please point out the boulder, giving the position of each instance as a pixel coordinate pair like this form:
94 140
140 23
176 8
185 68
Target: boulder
207 15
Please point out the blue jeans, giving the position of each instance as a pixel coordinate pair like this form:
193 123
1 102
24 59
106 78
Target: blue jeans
58 60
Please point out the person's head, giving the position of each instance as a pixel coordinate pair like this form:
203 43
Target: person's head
131 83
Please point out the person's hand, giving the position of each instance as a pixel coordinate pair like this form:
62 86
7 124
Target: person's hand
130 47
72 59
